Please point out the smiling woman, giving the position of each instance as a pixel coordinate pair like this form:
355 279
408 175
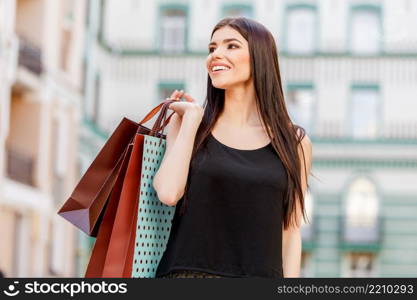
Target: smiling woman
239 212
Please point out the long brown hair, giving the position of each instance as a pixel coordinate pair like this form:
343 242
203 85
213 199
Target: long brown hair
271 106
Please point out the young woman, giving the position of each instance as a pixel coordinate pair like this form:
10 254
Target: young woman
236 169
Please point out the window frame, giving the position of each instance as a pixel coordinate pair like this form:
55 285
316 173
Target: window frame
349 111
288 9
158 36
378 9
228 6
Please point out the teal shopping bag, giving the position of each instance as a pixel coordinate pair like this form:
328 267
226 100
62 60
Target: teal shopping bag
154 218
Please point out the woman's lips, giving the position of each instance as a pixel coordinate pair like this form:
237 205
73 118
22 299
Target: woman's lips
219 71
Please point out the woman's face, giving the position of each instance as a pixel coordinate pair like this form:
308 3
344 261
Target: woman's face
229 48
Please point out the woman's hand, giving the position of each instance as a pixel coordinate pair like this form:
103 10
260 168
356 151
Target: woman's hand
189 108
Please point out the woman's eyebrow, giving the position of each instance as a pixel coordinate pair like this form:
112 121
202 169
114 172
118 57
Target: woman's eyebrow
226 41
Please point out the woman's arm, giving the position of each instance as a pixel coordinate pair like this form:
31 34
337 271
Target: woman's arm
291 237
170 179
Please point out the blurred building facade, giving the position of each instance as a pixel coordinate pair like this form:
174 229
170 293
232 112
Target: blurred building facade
41 43
349 70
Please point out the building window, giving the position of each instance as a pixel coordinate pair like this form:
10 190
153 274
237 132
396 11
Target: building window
300 103
173 30
365 30
22 142
237 11
166 89
301 29
364 112
361 224
20 166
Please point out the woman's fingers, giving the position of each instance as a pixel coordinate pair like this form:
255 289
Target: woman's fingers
180 94
188 98
177 94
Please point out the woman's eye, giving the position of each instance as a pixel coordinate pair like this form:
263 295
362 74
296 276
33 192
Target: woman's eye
212 48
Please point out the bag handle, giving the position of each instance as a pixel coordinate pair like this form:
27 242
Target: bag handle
163 108
162 115
155 110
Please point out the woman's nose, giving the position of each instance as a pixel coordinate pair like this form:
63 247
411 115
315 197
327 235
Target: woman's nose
217 52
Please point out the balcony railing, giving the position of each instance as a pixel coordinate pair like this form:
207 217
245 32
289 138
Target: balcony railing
334 130
30 56
361 234
20 167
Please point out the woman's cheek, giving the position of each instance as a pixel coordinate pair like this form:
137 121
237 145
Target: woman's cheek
244 62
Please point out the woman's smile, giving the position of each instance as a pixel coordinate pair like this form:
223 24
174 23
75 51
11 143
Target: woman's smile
219 71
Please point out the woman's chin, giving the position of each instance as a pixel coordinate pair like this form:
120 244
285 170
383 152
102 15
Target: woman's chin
220 85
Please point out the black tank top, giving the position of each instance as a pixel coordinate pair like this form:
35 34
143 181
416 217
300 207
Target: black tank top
233 222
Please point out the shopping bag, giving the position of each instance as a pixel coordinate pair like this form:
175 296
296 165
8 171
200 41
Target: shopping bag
112 254
118 261
154 219
99 253
85 207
